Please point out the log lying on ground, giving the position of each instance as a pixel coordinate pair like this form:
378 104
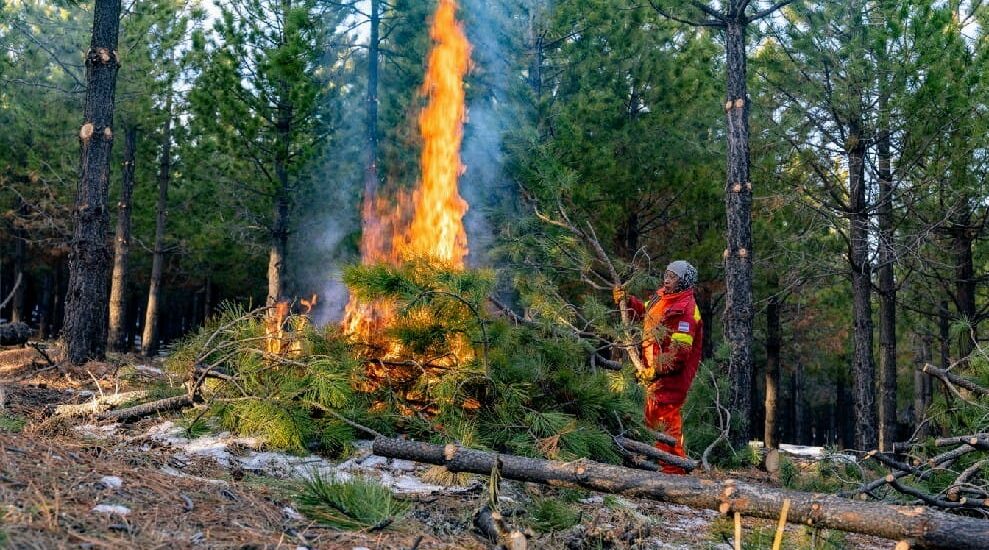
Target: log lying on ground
653 452
98 404
921 526
146 409
13 334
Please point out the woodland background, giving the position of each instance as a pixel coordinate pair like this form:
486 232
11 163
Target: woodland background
244 133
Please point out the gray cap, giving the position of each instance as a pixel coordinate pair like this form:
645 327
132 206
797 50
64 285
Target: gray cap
686 272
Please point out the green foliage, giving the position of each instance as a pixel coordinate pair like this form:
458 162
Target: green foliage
547 515
11 423
761 536
194 426
354 504
830 474
538 397
278 397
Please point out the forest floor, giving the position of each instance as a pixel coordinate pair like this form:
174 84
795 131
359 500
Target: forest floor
76 484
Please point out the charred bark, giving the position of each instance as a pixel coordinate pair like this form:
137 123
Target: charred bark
149 338
887 292
924 527
89 259
738 254
117 336
863 365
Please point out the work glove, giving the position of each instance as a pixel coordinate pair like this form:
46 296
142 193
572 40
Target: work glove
618 294
645 375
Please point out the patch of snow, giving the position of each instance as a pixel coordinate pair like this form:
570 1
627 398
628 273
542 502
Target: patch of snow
405 465
374 461
111 482
597 499
814 453
290 513
360 548
412 484
111 509
398 476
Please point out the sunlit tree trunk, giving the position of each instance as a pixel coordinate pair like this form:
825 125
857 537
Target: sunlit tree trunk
773 345
117 337
149 338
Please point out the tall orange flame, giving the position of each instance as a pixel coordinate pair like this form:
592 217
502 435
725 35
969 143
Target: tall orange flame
436 229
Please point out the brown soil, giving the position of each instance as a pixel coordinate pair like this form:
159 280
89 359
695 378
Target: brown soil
50 482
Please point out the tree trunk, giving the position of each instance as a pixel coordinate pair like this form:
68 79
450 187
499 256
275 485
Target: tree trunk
887 293
45 305
863 366
961 246
279 244
838 414
280 220
773 340
922 389
117 337
925 527
89 259
797 407
149 338
17 312
371 124
208 298
738 255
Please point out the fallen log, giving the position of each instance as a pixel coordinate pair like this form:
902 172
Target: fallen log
146 409
652 452
921 526
98 404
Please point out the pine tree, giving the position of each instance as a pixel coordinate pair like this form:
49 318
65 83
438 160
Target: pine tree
261 93
89 261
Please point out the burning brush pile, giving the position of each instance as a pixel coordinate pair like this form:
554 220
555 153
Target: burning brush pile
418 350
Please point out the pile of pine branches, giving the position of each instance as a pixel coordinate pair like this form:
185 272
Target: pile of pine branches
466 374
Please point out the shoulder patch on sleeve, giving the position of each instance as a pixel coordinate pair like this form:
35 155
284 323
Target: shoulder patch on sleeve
683 326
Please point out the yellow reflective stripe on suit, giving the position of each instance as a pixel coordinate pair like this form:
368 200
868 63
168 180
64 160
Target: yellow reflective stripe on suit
682 338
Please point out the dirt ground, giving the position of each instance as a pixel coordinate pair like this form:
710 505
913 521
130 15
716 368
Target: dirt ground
65 488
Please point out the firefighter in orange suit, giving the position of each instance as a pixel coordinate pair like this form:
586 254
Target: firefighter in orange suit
671 351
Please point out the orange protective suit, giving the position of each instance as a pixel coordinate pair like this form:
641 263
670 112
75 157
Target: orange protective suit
671 349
